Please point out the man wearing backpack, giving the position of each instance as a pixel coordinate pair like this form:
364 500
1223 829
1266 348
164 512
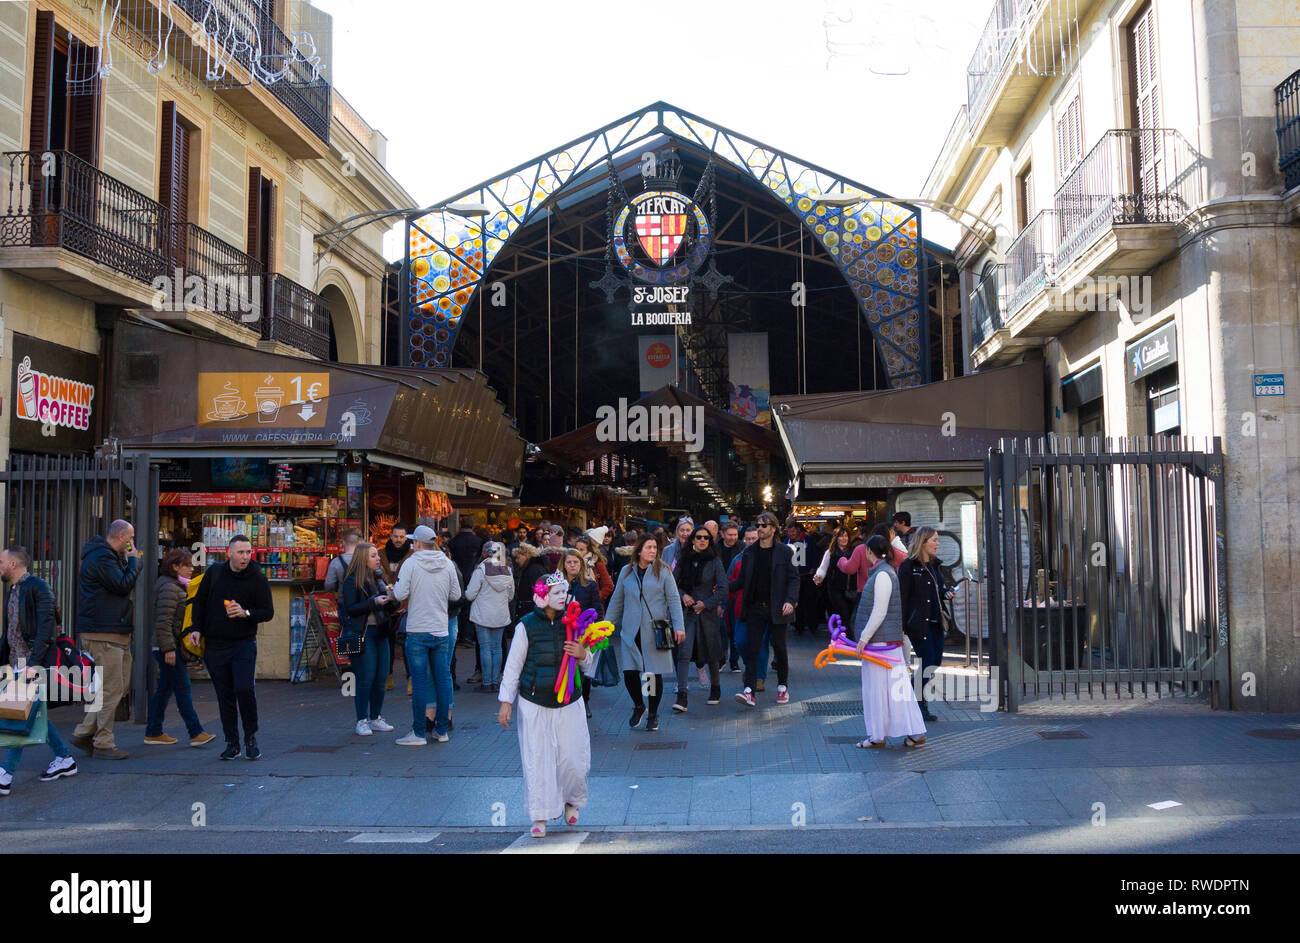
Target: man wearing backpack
105 622
26 640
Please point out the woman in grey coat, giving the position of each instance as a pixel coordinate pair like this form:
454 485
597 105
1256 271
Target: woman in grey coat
645 592
703 585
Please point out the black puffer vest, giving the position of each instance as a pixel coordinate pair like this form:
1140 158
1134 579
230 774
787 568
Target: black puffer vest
542 666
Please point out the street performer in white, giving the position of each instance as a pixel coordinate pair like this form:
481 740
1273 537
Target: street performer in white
554 745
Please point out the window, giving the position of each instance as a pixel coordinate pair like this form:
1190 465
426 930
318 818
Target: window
65 103
178 190
1025 196
1069 139
1144 103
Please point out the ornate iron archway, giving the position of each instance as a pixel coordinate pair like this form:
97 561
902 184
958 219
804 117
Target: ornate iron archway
874 240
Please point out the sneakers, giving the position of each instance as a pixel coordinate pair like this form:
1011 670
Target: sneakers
162 739
652 723
251 752
637 714
760 685
782 694
379 725
412 739
231 751
363 729
475 678
746 697
440 737
715 696
62 766
6 782
112 753
680 704
736 669
202 739
388 685
83 742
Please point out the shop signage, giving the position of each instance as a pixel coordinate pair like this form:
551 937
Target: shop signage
238 499
1158 349
54 397
661 237
931 479
250 400
444 483
1270 384
660 305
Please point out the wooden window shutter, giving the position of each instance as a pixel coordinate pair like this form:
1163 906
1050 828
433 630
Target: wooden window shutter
254 212
174 180
1146 100
42 81
269 196
84 106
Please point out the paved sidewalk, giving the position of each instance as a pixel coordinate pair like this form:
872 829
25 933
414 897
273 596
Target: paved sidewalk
714 766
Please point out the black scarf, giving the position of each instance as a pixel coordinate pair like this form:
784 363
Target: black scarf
395 555
690 569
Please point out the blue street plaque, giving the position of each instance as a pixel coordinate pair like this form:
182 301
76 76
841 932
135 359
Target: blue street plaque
1270 384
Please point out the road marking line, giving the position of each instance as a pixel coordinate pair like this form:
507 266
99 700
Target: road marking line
560 843
392 838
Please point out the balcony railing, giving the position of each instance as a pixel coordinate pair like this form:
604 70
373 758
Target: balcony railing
1132 175
1030 259
1035 38
986 305
250 34
992 52
298 318
58 200
1288 129
233 282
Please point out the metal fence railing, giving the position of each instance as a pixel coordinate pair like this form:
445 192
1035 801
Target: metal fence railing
234 281
1287 96
1132 175
56 199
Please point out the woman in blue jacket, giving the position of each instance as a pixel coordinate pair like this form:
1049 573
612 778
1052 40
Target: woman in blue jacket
366 607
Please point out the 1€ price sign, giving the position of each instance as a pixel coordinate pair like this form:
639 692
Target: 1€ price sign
1270 384
245 400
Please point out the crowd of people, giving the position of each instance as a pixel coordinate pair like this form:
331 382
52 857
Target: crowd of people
699 600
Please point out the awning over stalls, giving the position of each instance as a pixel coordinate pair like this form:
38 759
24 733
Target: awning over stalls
173 391
588 442
897 438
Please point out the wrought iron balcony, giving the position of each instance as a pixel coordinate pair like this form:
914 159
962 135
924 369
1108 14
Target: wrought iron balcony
1132 175
1287 96
58 200
233 282
985 306
992 52
298 318
249 32
1030 260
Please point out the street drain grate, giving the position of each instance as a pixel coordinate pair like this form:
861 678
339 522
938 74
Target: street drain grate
832 708
308 748
1275 733
662 745
1063 735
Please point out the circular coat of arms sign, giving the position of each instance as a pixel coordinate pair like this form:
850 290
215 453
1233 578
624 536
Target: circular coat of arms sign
662 237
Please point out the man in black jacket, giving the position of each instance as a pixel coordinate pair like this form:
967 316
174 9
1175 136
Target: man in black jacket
25 641
233 598
770 583
105 621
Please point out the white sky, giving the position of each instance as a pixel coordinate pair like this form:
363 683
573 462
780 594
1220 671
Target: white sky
465 91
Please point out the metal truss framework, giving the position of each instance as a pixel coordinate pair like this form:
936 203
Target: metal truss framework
874 240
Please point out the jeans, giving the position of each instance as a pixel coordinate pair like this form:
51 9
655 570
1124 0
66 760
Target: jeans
172 679
759 620
741 644
489 646
731 649
429 659
682 653
371 672
232 671
14 755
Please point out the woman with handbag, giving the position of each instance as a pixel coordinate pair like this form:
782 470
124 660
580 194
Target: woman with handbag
174 574
365 609
646 610
888 702
923 590
703 585
838 582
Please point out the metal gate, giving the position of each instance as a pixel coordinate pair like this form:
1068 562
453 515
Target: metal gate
54 504
1106 568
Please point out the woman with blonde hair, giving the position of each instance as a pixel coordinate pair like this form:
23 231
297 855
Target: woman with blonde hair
591 552
923 589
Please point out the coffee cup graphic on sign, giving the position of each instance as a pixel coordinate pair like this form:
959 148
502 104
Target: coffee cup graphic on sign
227 405
269 399
27 387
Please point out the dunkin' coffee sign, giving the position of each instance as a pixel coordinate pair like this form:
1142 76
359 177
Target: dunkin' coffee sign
53 397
